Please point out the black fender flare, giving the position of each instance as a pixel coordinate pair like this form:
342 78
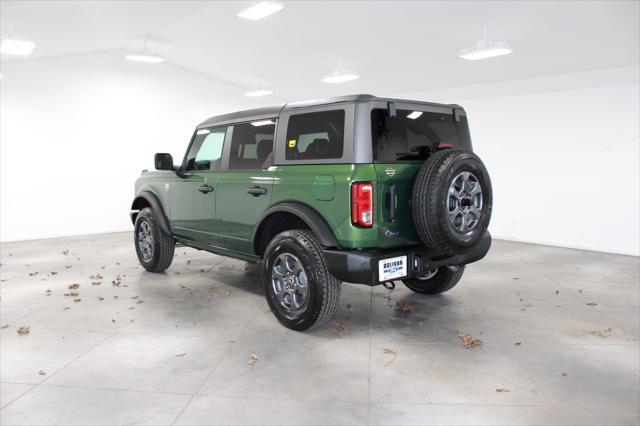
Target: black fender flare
156 207
314 221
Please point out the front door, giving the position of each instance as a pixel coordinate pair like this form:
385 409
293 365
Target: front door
244 188
193 198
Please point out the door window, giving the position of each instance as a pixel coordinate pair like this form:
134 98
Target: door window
315 135
251 145
206 150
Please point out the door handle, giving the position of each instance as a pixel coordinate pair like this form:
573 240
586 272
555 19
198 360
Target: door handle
205 189
256 191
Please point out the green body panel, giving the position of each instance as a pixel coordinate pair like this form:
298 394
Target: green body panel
238 212
399 231
227 217
295 183
192 213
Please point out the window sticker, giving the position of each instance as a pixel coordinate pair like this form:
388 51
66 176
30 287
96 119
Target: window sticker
292 143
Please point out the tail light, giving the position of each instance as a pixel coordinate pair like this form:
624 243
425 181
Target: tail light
362 204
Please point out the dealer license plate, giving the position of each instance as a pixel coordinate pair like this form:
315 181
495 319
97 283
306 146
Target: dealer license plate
392 268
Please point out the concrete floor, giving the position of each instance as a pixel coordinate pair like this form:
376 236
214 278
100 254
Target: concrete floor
559 328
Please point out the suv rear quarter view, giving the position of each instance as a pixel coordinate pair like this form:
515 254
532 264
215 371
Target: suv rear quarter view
354 189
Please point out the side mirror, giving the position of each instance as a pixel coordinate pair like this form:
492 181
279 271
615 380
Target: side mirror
164 161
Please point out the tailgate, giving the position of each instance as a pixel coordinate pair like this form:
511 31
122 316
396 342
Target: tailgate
394 192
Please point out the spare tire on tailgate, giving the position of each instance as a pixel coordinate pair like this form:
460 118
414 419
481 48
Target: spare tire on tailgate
452 200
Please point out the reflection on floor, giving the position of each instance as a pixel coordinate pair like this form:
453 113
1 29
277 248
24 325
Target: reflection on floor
559 329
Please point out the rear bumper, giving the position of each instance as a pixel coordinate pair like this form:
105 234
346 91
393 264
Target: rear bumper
361 267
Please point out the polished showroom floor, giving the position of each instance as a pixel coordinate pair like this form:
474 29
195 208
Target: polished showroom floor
197 345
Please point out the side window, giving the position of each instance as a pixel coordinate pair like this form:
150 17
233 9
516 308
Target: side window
206 150
315 135
251 145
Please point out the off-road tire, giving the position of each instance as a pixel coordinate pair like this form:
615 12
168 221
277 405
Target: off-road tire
163 244
445 279
430 195
323 288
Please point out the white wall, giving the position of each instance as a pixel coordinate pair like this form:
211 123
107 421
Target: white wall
76 131
563 154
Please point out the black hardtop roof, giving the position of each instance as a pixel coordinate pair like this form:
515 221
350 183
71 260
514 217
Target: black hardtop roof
256 113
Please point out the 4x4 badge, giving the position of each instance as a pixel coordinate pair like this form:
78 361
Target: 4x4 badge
390 172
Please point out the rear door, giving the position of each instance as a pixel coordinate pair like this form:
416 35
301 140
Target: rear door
245 186
401 145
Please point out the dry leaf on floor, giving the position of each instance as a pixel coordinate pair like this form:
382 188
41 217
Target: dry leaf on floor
68 266
65 252
96 282
23 330
100 298
502 390
390 352
601 333
134 297
592 304
182 354
517 343
96 276
33 273
66 309
72 293
74 286
5 326
468 341
77 300
140 301
338 329
42 372
403 306
49 290
252 360
53 273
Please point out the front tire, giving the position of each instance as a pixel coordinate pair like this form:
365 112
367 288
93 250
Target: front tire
299 288
153 247
436 282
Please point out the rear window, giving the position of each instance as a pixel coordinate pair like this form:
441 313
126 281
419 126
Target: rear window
411 135
251 145
315 135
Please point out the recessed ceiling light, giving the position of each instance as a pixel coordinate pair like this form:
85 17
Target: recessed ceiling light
485 49
145 57
340 77
414 115
261 10
259 92
17 47
262 123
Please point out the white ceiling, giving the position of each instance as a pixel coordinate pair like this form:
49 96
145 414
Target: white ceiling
395 46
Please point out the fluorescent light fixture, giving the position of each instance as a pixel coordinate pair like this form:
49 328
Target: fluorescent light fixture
261 10
149 58
339 77
485 49
17 47
202 132
259 92
262 123
414 115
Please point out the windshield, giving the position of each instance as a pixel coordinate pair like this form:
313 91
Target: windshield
412 135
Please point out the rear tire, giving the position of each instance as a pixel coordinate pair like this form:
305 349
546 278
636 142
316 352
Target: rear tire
299 288
444 279
153 247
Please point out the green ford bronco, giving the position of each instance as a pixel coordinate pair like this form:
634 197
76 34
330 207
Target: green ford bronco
357 188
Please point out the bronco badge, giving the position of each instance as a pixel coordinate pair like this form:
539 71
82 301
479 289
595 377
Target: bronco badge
390 172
